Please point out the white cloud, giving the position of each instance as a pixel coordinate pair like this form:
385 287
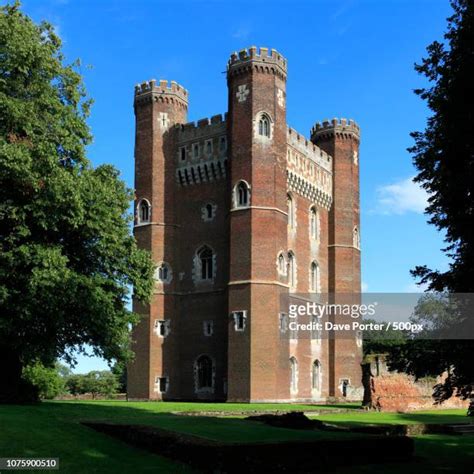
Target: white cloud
401 197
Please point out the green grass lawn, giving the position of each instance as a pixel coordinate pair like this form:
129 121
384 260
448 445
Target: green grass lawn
53 429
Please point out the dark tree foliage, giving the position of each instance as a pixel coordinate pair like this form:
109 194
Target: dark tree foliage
444 157
67 258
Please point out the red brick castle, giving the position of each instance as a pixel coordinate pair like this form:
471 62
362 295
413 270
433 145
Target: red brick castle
236 211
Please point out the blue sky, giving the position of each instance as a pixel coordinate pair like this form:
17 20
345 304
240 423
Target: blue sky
347 58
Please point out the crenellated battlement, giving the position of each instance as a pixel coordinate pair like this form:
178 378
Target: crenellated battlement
341 127
164 89
203 128
309 149
261 59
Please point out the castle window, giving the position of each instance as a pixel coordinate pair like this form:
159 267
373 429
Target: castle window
264 126
316 376
293 374
314 278
281 264
205 261
196 150
315 332
283 322
208 328
163 273
144 209
291 270
356 238
161 384
162 328
313 223
241 196
209 147
223 144
204 373
183 153
291 211
208 211
240 319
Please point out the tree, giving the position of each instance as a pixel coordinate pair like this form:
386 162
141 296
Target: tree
67 258
444 157
96 383
119 369
50 381
381 342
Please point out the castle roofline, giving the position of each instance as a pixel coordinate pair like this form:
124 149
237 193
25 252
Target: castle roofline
162 87
263 56
335 126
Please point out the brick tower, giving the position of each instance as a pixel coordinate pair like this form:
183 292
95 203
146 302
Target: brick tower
257 93
158 106
238 211
340 139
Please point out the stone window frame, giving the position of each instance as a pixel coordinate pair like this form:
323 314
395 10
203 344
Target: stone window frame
222 143
340 385
183 153
283 322
164 120
208 323
281 264
314 280
204 211
291 210
196 147
235 315
356 237
208 152
139 219
162 327
316 387
263 114
197 268
315 333
158 381
292 270
200 390
169 276
314 223
294 375
235 194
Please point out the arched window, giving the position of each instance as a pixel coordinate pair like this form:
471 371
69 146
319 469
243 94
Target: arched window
293 374
316 376
291 269
291 211
356 238
204 372
143 211
314 283
206 263
209 211
313 223
264 126
281 264
241 194
163 273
